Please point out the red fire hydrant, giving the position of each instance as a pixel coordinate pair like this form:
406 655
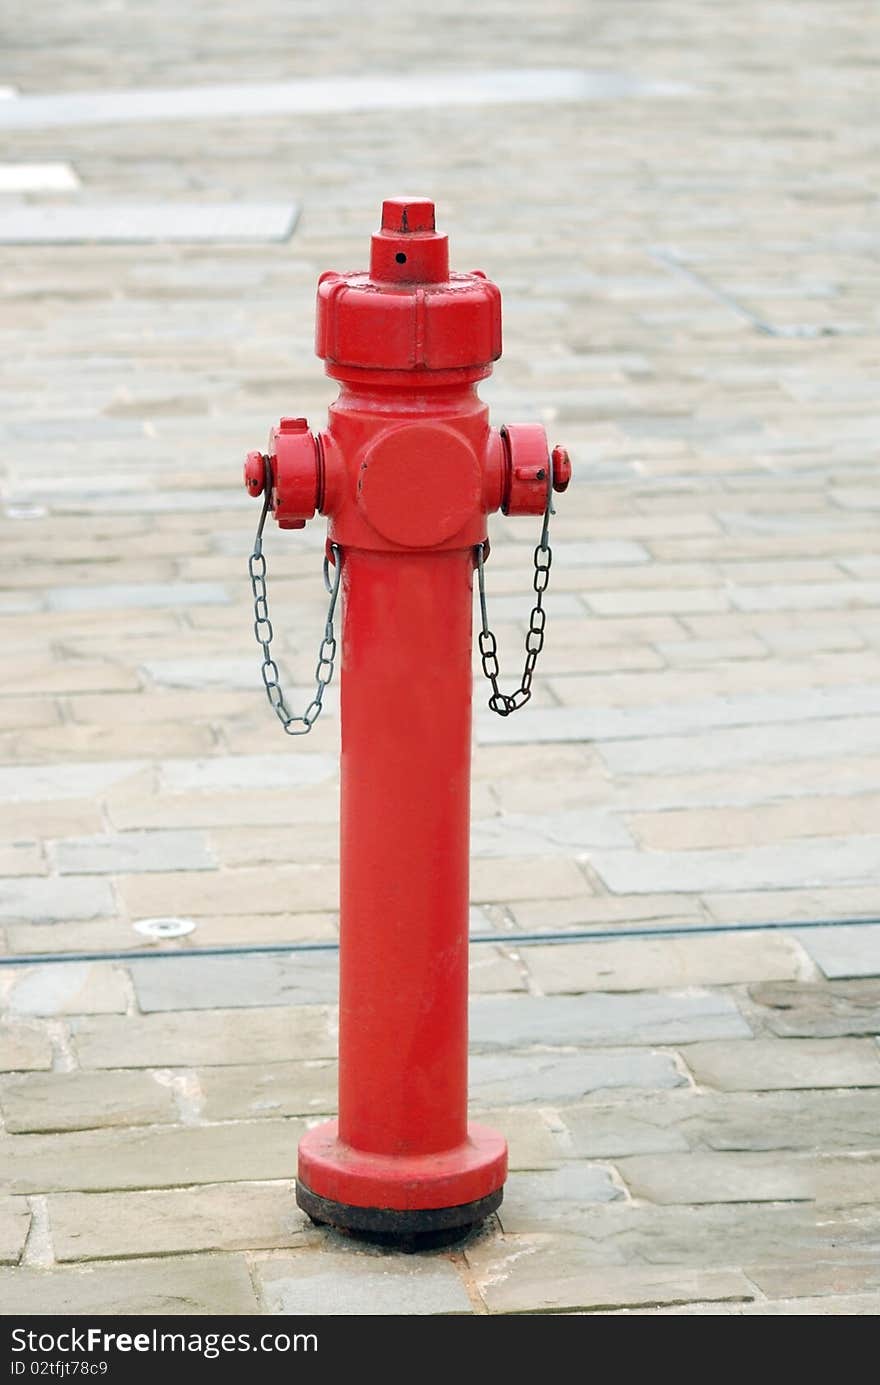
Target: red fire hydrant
407 471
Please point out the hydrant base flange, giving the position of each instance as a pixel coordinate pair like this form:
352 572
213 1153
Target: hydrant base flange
364 1190
390 1223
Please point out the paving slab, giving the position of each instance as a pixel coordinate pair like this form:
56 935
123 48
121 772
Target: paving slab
178 1285
689 1179
24 1047
647 964
112 854
740 746
613 725
213 1217
22 858
682 1119
216 1037
522 1274
136 595
255 771
93 936
35 900
154 1157
517 1271
306 888
494 970
801 1010
818 1277
65 988
346 1282
15 1220
823 861
214 983
777 822
537 1136
263 1089
556 1199
506 879
547 834
767 1065
844 951
43 1102
47 784
555 1075
598 1018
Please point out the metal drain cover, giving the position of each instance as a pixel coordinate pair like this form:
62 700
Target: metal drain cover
164 928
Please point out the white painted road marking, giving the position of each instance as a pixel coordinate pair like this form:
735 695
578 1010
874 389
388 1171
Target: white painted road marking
317 96
22 177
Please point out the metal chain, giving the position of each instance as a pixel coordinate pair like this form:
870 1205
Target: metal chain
293 725
505 703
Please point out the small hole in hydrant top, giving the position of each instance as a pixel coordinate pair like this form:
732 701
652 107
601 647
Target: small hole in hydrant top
400 257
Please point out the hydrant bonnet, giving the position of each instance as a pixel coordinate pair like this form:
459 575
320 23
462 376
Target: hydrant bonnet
409 312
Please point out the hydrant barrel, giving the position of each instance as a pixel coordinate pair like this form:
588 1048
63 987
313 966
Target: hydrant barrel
407 472
405 819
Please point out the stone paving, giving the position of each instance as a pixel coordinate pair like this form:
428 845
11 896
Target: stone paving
689 261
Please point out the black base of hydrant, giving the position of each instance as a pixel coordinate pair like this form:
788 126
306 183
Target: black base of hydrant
419 1229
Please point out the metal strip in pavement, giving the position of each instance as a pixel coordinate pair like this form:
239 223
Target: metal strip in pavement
331 95
127 223
575 935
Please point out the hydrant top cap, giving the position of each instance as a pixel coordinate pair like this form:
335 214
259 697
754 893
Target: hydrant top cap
408 214
408 249
408 312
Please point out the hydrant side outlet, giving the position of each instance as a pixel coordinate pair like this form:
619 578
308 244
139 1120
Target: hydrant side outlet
406 472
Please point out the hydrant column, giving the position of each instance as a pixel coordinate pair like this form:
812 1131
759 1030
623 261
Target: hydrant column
405 852
407 472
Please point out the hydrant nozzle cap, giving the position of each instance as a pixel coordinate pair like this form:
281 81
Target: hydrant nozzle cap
408 248
408 214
